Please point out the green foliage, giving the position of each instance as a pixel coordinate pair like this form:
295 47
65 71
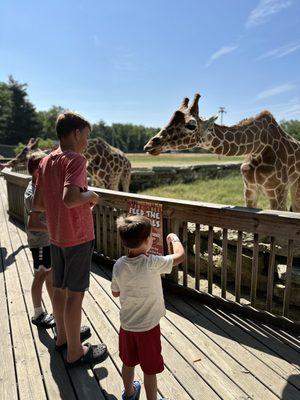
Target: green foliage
127 137
44 144
292 127
48 120
19 120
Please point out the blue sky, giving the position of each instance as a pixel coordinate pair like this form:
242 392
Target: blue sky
134 60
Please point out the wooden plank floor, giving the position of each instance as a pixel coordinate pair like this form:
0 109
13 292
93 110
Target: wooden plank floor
208 354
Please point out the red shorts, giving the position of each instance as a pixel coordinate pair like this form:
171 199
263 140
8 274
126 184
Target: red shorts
142 348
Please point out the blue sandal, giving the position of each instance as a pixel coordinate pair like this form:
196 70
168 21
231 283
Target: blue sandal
136 394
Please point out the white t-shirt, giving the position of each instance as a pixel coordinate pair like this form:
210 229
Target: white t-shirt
138 279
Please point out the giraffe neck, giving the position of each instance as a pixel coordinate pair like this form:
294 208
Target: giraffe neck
239 139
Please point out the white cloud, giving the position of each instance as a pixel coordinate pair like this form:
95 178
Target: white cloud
291 112
220 53
281 51
264 10
275 91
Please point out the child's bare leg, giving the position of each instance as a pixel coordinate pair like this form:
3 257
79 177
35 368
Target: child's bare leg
58 302
128 376
49 284
36 289
72 319
150 383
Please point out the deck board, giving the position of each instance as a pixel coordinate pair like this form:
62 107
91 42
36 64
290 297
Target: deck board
208 353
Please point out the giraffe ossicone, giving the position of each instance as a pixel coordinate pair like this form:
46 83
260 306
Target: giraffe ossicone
272 156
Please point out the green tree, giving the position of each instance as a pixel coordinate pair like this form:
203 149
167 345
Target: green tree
48 120
127 137
292 127
5 111
24 122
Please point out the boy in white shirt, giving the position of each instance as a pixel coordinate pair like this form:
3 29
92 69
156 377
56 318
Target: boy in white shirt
137 280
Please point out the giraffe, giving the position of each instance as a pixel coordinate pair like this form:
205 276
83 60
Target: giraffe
107 166
272 162
21 158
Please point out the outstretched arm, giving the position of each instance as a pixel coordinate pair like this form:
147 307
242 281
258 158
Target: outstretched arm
175 248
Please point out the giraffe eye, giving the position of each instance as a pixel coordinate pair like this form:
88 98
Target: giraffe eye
156 141
190 127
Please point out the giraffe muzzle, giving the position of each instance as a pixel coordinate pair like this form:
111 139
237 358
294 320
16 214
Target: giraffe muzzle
153 147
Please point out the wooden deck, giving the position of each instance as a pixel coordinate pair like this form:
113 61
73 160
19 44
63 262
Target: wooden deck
208 354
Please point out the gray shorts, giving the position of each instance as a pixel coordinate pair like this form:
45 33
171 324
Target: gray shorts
71 266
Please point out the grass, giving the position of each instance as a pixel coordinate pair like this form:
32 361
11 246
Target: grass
228 190
142 160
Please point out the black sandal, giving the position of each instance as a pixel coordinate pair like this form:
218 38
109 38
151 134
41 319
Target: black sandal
44 320
94 355
85 333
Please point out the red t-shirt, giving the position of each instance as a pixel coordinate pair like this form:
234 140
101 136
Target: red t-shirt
67 226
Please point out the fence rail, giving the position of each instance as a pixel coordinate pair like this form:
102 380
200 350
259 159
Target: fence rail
185 217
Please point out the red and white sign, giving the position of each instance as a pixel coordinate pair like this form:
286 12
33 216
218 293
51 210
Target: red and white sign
154 212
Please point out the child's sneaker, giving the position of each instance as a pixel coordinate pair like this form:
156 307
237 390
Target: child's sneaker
136 394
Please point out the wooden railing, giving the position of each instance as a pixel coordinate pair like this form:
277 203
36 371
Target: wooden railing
182 217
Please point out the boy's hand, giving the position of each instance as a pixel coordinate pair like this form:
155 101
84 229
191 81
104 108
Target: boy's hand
171 238
94 199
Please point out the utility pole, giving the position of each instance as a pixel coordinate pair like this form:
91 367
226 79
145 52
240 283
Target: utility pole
221 112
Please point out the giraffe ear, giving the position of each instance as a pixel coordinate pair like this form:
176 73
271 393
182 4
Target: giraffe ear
34 143
210 121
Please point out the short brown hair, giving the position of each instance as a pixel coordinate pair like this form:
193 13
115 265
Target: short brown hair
34 160
69 121
134 230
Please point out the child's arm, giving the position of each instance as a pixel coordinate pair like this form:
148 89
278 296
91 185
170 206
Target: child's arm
38 203
35 224
114 285
175 249
73 197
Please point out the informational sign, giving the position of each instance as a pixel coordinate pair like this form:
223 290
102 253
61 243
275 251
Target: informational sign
154 212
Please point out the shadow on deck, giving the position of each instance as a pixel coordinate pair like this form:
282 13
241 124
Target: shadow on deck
209 354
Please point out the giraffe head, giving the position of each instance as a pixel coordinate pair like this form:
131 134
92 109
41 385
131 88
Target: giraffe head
185 130
21 158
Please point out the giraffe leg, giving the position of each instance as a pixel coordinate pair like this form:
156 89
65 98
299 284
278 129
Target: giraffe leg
295 195
278 200
250 195
250 186
125 180
114 183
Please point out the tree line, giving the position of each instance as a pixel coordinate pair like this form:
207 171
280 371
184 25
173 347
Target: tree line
19 121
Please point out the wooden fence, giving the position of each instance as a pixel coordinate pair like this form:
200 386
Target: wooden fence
180 217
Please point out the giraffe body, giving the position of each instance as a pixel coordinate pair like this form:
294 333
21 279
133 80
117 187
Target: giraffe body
272 157
107 166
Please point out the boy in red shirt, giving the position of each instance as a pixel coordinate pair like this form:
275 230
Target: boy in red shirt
62 192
